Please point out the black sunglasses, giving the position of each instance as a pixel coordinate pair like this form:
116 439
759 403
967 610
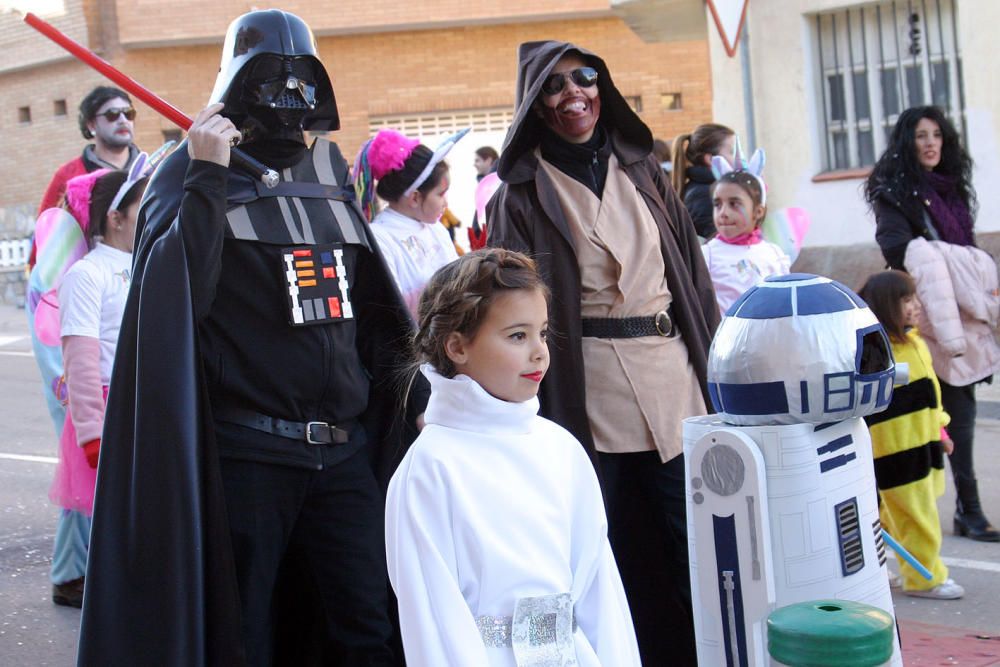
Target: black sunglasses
585 77
111 115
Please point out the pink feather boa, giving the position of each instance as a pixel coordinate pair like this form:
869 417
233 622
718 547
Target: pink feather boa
388 152
78 191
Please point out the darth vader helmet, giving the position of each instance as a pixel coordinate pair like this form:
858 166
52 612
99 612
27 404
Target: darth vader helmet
271 79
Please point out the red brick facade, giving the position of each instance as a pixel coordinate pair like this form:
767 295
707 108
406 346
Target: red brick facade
384 57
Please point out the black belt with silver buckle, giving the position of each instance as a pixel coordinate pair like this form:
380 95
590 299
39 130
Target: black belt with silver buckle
315 432
661 324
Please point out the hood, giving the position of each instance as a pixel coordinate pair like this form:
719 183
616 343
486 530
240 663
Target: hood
535 62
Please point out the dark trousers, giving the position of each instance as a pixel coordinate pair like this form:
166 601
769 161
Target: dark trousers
647 526
329 524
960 404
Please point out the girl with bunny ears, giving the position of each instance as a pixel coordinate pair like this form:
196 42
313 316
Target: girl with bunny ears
91 299
738 257
413 180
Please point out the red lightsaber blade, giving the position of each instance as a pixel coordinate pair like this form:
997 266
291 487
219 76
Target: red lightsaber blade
237 157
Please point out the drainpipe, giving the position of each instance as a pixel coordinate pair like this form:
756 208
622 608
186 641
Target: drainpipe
748 110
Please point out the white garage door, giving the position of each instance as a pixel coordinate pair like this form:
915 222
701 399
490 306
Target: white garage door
489 127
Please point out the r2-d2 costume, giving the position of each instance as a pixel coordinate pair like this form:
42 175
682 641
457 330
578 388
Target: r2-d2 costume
781 497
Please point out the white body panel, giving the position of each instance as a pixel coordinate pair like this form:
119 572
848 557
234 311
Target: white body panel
821 539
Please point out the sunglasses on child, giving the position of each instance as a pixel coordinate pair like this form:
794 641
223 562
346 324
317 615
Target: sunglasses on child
111 115
585 77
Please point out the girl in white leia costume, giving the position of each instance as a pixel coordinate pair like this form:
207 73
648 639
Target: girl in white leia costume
496 536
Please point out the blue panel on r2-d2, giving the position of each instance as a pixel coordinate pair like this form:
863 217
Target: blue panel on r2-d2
782 503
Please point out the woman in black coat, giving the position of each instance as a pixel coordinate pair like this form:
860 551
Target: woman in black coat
692 171
922 187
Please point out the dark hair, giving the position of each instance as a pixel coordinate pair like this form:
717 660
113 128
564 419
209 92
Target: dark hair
690 149
104 193
392 186
748 183
884 293
94 100
487 153
899 167
459 296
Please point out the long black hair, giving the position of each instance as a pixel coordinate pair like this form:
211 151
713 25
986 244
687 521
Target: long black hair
900 169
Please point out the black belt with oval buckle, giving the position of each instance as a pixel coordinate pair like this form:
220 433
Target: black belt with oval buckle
661 324
314 432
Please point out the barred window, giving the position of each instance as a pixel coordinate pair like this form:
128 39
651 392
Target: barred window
875 61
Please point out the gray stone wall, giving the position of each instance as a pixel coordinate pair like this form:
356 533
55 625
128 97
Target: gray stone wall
16 222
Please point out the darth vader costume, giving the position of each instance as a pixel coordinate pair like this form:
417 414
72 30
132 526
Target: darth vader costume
253 405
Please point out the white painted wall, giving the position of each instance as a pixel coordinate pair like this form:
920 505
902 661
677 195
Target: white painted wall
788 122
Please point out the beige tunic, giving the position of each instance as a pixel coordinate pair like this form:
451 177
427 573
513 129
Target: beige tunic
638 389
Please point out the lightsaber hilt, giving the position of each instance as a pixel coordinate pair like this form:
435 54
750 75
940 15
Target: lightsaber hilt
237 158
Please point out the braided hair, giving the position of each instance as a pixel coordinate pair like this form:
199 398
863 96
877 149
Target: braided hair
459 296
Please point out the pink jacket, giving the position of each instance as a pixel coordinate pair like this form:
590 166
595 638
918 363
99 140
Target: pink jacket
960 294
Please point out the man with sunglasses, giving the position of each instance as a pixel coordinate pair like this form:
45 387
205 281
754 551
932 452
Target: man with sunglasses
634 308
106 116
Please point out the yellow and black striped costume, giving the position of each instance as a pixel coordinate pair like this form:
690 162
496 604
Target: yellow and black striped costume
909 463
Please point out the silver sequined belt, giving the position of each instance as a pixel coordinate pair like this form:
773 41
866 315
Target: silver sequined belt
540 630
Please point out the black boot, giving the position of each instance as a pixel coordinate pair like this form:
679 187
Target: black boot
969 518
69 594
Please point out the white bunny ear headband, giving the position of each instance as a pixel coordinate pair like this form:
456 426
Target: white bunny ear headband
755 167
141 167
439 154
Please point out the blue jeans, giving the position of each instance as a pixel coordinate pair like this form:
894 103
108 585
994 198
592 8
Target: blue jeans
69 551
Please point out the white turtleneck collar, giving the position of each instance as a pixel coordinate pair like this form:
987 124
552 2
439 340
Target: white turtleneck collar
461 403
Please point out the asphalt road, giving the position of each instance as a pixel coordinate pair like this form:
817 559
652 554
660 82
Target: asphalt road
35 632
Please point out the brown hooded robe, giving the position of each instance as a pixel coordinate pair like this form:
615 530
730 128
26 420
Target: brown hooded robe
525 215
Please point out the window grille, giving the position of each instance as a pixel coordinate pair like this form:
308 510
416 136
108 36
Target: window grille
875 61
434 124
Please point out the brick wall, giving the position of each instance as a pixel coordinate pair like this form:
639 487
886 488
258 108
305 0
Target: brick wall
415 71
157 21
24 47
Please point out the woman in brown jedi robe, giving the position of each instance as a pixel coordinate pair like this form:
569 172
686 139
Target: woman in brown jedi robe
633 312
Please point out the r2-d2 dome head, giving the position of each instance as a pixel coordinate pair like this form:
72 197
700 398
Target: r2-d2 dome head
799 348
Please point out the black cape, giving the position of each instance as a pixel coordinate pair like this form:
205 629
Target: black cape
160 586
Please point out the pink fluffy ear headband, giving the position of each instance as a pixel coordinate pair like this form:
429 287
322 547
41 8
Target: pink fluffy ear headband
78 191
754 167
386 152
80 188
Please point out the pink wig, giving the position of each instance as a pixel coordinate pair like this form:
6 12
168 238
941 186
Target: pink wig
388 152
78 191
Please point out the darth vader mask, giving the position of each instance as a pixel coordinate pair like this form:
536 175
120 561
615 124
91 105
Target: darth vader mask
279 92
271 79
